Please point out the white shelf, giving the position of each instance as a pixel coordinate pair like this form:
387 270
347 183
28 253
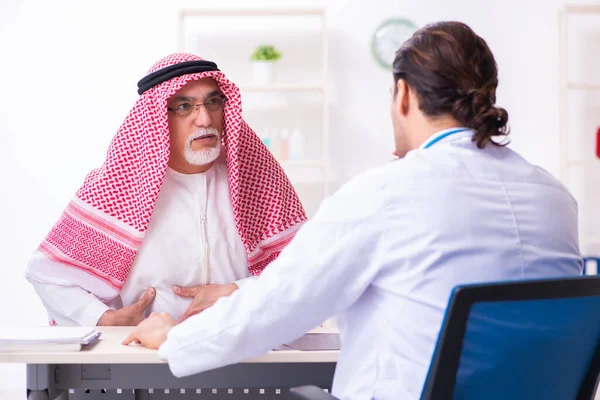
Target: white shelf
565 134
583 86
302 163
583 9
251 12
582 163
307 171
590 239
313 172
282 87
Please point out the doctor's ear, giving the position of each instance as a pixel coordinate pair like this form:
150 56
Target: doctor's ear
402 96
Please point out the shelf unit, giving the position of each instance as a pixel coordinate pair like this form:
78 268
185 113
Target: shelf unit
300 172
566 87
289 87
583 86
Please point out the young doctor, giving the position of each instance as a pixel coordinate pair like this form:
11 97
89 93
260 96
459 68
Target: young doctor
384 252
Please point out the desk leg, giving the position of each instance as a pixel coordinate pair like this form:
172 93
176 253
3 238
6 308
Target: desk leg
37 382
62 396
41 383
37 395
142 394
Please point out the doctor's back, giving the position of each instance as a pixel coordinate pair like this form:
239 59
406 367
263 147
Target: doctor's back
456 208
453 214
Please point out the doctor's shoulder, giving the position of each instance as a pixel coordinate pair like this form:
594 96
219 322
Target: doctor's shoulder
358 199
548 179
534 173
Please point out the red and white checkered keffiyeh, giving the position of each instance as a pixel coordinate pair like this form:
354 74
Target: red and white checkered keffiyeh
103 226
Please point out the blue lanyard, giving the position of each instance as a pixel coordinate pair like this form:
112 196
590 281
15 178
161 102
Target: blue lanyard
437 139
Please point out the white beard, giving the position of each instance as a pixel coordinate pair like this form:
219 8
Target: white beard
204 156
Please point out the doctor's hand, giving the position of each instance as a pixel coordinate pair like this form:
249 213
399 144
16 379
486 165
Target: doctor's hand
204 297
130 315
153 331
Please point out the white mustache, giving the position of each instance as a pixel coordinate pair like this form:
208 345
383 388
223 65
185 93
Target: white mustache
204 132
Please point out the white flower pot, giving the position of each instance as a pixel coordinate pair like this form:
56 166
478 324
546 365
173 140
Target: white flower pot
264 72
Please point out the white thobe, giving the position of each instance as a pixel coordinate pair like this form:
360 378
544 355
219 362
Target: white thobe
383 255
191 240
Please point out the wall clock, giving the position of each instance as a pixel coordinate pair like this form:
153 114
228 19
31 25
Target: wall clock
388 38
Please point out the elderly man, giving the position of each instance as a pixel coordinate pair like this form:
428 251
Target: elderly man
187 207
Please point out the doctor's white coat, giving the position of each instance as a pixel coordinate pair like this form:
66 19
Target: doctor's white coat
383 255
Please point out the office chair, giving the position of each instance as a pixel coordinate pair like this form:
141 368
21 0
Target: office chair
515 340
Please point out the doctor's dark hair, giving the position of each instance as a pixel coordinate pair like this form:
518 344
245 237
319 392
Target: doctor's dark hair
452 71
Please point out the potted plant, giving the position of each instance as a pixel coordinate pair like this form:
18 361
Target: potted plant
263 60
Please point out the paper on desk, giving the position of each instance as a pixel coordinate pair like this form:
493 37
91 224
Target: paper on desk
45 335
313 342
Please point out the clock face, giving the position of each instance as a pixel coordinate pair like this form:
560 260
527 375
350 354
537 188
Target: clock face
388 38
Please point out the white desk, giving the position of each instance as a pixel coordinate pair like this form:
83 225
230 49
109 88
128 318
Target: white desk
110 365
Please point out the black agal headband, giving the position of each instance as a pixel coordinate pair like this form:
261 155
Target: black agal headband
173 71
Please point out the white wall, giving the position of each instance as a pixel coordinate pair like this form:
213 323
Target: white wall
69 71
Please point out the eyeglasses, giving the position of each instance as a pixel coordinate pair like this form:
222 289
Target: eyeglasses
213 104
